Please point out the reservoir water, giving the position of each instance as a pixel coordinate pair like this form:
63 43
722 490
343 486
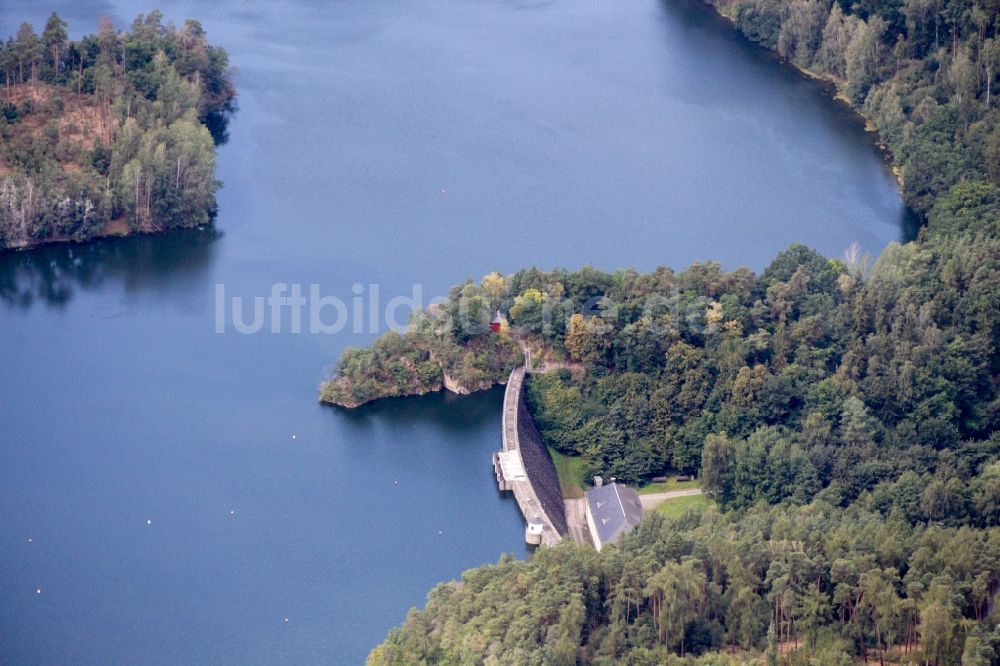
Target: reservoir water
170 494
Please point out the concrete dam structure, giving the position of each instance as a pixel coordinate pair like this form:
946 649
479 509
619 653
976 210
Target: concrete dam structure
525 468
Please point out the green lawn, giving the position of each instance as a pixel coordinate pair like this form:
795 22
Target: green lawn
676 507
667 486
568 468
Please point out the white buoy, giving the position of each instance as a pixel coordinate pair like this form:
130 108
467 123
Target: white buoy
293 436
38 591
232 513
29 539
286 619
149 522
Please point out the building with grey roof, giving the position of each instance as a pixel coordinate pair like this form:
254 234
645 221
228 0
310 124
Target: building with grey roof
612 510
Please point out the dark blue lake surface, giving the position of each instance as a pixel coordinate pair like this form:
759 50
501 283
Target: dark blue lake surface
176 494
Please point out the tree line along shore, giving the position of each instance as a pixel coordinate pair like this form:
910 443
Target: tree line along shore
109 134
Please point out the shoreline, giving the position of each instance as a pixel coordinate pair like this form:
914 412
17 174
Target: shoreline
447 384
111 230
892 166
115 229
333 391
413 394
838 96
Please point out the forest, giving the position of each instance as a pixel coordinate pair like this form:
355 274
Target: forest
841 412
109 134
429 353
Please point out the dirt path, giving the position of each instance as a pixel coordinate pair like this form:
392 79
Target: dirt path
541 364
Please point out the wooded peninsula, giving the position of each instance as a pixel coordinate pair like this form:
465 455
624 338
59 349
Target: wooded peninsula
109 134
842 414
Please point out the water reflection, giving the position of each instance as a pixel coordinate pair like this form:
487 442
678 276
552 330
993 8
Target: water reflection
52 274
217 123
436 409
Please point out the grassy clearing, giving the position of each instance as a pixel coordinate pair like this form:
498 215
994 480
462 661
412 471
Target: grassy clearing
568 468
669 485
676 507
